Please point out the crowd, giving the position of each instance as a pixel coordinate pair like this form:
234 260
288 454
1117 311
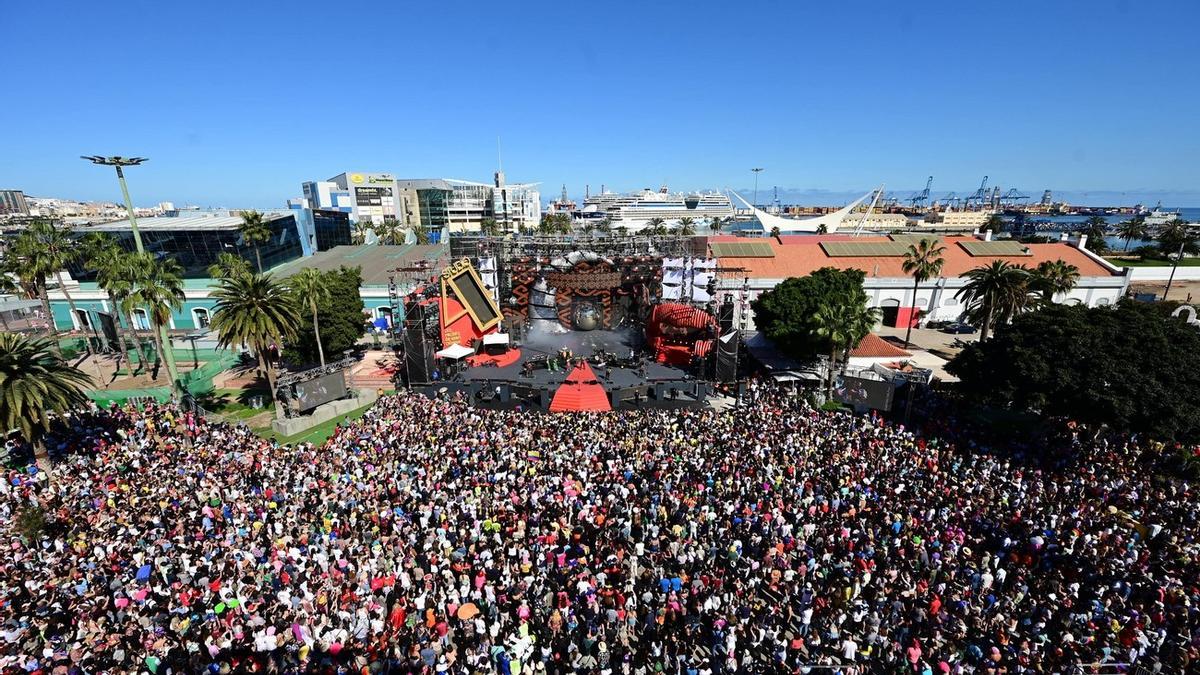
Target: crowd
430 536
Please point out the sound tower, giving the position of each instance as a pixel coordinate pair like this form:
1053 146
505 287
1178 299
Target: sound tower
727 353
418 351
725 316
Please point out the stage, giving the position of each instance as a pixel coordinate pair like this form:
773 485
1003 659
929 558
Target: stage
632 379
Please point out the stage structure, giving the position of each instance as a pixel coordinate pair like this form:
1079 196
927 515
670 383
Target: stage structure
302 391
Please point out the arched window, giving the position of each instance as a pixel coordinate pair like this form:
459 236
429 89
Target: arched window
141 320
200 317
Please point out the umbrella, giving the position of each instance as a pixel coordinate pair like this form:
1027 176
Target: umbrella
468 611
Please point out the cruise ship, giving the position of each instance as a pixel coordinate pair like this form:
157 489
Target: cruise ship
1158 217
634 211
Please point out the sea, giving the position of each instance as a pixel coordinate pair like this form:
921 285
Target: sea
1189 214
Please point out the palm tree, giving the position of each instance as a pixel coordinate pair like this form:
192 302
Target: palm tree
388 231
489 227
43 250
605 224
822 229
1054 277
995 291
34 382
7 287
227 265
160 290
359 235
1095 228
255 231
775 232
843 325
256 311
715 223
994 223
656 226
923 261
1177 237
309 289
1134 228
102 255
687 226
420 234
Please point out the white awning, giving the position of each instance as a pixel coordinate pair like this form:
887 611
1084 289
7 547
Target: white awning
495 339
455 352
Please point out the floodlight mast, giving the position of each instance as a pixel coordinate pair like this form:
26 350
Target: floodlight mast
118 162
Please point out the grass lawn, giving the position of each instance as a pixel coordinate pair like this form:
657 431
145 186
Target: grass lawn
1137 262
233 404
319 433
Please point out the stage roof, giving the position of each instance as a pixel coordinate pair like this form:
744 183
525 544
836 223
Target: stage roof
376 260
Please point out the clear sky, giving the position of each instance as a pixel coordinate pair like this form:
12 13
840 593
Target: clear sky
236 103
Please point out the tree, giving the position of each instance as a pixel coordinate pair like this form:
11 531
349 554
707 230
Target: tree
159 288
359 233
339 316
785 313
922 261
555 223
656 226
256 311
119 277
1134 228
994 223
1175 237
35 382
228 265
105 258
687 226
1053 277
489 227
1126 367
605 224
389 231
310 290
420 234
842 324
715 223
42 251
775 232
7 287
822 229
255 231
994 292
1095 228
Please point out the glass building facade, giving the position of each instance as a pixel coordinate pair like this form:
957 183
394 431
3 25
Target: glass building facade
331 228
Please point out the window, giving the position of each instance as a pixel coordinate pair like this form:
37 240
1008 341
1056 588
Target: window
200 317
141 320
82 318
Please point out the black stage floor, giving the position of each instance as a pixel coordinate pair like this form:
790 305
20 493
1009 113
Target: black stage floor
626 385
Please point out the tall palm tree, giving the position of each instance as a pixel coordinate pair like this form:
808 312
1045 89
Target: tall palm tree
359 233
227 265
605 224
1053 277
8 286
102 255
1096 229
1134 228
255 231
923 261
994 223
309 289
42 251
420 233
389 231
160 290
822 229
1177 236
489 227
715 223
656 226
34 382
995 291
775 232
687 226
843 325
256 311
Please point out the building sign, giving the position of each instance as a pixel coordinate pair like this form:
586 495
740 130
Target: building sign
371 196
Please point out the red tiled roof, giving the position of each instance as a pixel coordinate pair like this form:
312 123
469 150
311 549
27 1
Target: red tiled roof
874 347
802 255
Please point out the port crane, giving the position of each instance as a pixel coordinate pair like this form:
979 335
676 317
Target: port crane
980 196
920 198
1012 197
951 200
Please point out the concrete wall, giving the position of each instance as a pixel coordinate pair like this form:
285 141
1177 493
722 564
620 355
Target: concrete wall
1163 273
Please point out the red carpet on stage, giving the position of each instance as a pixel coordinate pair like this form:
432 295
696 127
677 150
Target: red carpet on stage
580 393
500 360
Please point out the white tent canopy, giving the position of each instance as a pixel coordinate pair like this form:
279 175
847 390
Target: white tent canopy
831 221
495 339
455 352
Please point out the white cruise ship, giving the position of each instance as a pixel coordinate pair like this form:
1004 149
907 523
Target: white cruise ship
1158 217
634 211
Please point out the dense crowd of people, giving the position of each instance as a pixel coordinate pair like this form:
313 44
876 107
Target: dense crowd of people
431 536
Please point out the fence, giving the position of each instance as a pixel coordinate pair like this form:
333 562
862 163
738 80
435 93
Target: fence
194 382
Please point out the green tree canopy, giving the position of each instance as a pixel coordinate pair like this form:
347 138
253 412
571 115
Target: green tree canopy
785 314
1126 367
339 315
35 381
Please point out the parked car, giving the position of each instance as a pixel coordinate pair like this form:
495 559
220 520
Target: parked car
958 328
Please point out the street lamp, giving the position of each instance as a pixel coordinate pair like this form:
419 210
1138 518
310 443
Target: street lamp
119 162
756 170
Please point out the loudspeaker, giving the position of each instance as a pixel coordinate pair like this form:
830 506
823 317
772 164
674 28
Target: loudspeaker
725 315
418 357
727 350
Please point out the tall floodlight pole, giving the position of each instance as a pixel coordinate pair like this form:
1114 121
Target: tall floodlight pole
757 170
118 162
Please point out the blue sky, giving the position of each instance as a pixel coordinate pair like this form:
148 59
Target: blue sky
237 103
